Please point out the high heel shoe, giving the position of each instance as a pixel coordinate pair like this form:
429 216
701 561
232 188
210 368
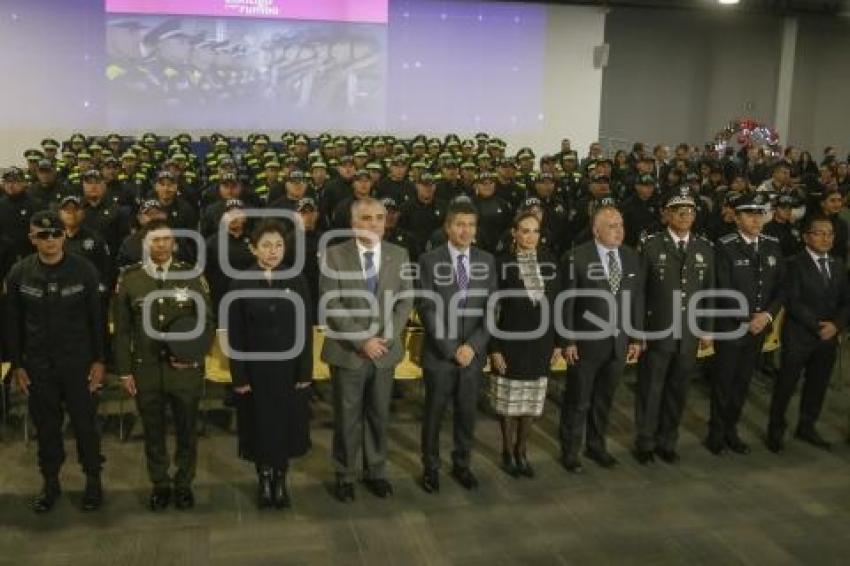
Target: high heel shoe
523 467
508 464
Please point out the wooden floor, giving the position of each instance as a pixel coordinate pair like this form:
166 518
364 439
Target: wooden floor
757 509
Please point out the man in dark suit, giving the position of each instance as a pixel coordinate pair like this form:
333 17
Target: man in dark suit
455 282
750 263
817 310
675 261
597 350
364 350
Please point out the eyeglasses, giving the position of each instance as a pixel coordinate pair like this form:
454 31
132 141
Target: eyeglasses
54 233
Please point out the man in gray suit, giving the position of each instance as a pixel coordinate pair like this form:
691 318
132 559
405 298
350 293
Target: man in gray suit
365 302
455 282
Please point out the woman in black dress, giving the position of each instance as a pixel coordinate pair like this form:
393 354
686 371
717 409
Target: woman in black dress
273 414
521 365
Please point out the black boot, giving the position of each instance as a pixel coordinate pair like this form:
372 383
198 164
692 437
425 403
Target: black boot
45 500
281 494
265 494
93 495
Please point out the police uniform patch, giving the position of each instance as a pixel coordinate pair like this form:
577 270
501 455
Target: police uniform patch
88 244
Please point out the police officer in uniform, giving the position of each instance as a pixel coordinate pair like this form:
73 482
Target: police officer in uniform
423 215
783 227
494 213
674 261
396 235
101 216
55 341
641 211
160 372
750 263
16 209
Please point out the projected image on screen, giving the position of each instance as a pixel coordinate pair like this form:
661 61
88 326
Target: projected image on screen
247 73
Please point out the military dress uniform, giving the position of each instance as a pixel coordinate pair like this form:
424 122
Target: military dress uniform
54 331
665 369
159 383
755 270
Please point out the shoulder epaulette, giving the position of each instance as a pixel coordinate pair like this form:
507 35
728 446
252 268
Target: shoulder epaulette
769 238
729 238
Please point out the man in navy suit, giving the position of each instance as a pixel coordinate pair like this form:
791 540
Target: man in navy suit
611 271
818 308
455 280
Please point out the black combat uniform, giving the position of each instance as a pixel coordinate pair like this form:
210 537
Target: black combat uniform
54 330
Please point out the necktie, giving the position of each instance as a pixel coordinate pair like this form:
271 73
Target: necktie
160 276
462 275
824 268
371 275
615 276
682 248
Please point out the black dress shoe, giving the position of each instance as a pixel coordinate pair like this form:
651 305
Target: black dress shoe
572 464
601 457
668 456
279 491
380 487
45 500
93 494
431 481
344 491
644 457
774 443
465 477
814 438
508 464
184 498
716 447
523 467
159 499
265 494
737 445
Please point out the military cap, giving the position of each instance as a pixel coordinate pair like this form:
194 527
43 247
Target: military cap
468 165
682 196
752 202
305 203
530 202
33 155
389 203
296 176
228 178
486 176
49 143
345 160
166 175
92 176
128 155
418 165
149 204
361 174
374 166
645 179
318 165
84 155
46 220
272 164
70 199
45 165
188 350
111 161
787 198
232 203
427 179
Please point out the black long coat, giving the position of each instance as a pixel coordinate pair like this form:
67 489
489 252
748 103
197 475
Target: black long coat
526 358
274 418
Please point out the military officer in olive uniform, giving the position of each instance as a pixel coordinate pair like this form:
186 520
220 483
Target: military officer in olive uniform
159 371
750 263
55 341
677 264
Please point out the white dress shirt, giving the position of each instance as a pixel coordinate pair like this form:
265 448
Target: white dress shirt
376 257
603 257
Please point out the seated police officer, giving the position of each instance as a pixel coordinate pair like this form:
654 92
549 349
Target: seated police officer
55 341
